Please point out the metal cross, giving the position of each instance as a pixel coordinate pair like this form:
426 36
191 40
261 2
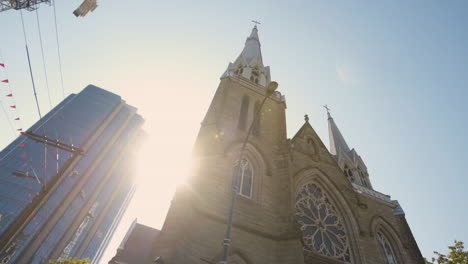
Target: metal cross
326 107
256 22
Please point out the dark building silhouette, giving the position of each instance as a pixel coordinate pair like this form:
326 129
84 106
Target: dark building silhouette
56 203
136 246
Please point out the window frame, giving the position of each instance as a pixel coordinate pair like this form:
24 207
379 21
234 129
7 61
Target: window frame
240 180
382 239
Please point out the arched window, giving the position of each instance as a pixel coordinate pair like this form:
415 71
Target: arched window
348 173
257 121
321 225
243 112
243 174
387 250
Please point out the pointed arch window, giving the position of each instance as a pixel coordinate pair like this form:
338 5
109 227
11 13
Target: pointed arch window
348 173
257 121
243 112
387 250
243 178
321 225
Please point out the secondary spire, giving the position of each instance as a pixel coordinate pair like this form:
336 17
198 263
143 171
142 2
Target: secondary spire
337 141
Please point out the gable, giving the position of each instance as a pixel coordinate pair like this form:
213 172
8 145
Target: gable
308 143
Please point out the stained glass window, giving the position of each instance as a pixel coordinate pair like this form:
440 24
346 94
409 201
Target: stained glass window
243 173
387 249
321 225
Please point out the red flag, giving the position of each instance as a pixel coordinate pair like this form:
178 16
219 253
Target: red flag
22 145
9 95
19 129
23 155
25 164
2 64
17 118
6 81
13 106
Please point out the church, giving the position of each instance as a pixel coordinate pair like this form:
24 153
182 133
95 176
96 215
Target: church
292 200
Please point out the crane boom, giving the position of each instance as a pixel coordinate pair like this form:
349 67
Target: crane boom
29 5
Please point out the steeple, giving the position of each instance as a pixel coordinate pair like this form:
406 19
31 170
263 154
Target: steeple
348 160
252 49
337 141
249 64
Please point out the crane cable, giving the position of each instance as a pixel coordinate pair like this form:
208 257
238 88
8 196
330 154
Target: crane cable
58 49
43 57
30 69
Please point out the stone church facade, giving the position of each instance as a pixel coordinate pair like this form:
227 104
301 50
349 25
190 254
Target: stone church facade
297 202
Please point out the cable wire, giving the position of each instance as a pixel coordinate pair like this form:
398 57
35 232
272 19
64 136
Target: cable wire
43 57
30 70
58 49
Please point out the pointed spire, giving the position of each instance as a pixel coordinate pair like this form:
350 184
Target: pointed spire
252 48
337 141
249 64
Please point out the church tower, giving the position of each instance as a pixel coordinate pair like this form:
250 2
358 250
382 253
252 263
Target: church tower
295 201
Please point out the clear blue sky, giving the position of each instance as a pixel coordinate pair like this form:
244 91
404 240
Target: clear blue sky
393 72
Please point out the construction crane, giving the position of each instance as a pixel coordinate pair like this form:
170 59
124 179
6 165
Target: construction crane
31 5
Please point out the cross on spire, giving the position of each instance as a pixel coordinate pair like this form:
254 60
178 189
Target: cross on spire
256 22
326 107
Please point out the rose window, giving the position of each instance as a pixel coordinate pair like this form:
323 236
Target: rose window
321 225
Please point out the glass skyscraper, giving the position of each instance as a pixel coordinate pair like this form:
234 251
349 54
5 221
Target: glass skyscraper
62 202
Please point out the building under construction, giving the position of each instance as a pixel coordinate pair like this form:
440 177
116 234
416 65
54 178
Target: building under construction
65 183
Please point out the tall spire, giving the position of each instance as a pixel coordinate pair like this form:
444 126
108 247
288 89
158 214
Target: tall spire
249 64
252 49
337 141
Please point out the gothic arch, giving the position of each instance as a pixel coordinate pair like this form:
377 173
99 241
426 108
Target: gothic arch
316 176
260 166
379 224
251 149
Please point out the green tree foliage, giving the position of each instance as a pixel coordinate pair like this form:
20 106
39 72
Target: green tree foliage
457 255
70 261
